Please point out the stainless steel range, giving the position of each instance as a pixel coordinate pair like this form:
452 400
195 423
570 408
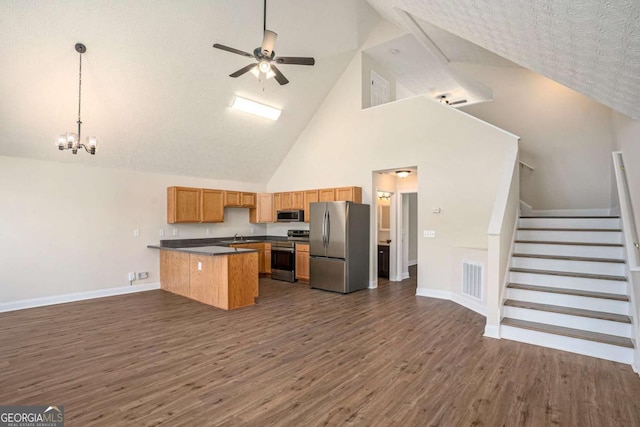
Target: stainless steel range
283 255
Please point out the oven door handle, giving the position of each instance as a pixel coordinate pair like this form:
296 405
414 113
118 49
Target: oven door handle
291 250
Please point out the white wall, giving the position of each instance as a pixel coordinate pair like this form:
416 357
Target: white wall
67 228
458 157
626 134
565 135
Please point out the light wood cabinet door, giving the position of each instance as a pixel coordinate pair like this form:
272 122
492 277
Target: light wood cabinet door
310 196
287 200
267 258
248 200
297 200
212 207
302 262
327 195
232 199
263 212
349 194
183 204
277 205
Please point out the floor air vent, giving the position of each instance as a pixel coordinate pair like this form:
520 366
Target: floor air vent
472 279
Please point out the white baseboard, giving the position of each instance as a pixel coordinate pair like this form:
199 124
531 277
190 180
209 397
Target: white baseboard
491 331
373 284
405 275
458 299
413 262
78 296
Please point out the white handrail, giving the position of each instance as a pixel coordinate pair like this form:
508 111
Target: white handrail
526 165
629 229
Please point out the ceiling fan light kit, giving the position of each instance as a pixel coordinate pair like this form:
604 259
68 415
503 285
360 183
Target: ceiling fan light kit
69 140
266 57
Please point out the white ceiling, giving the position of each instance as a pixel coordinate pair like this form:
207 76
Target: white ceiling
591 46
154 90
157 94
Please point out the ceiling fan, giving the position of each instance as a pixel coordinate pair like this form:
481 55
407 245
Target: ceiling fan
443 100
266 57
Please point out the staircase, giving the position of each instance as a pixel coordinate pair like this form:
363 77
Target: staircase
568 288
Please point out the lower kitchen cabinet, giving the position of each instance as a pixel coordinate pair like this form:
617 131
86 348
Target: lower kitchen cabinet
264 255
383 261
302 262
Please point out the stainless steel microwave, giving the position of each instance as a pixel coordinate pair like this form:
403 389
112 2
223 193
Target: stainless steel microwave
290 216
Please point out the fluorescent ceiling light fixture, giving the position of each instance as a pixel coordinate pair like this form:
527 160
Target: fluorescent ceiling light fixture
255 108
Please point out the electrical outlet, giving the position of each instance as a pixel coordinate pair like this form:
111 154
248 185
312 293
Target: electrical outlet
436 210
175 232
136 233
143 275
252 230
161 232
132 276
431 234
208 231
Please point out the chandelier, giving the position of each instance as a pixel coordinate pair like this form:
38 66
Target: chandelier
70 140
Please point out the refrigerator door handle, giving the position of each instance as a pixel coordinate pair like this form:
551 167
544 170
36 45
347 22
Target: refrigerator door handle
328 227
324 229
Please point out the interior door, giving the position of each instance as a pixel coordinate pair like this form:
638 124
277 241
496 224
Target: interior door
337 229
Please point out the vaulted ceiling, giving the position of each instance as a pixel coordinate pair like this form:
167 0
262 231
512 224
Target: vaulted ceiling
157 95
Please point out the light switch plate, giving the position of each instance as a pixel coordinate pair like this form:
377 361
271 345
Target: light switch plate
435 210
431 234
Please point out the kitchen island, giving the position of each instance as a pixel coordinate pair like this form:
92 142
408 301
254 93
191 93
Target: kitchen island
220 276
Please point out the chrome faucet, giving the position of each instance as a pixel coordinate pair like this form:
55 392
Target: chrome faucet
235 237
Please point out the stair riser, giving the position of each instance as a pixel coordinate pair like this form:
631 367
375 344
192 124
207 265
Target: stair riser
594 285
572 301
607 268
573 345
569 321
570 222
570 250
570 236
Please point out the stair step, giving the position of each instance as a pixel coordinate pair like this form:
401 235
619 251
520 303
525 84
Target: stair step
573 217
570 274
565 291
569 332
570 258
615 230
569 311
542 242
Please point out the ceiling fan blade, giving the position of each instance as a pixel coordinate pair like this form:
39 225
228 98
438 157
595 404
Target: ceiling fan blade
280 78
232 50
243 70
462 101
268 42
295 60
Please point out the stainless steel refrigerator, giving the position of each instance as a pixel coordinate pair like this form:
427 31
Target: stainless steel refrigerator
339 246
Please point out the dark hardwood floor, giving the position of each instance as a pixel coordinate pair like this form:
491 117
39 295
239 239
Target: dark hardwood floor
300 357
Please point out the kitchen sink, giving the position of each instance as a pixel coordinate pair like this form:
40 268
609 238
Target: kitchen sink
228 242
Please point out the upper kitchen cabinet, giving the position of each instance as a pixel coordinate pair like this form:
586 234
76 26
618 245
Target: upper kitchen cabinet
212 205
297 200
349 194
263 212
286 201
238 199
277 205
183 204
327 195
310 196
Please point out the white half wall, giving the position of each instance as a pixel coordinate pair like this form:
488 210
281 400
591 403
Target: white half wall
68 229
459 159
626 134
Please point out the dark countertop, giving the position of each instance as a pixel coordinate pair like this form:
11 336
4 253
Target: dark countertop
205 250
216 245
